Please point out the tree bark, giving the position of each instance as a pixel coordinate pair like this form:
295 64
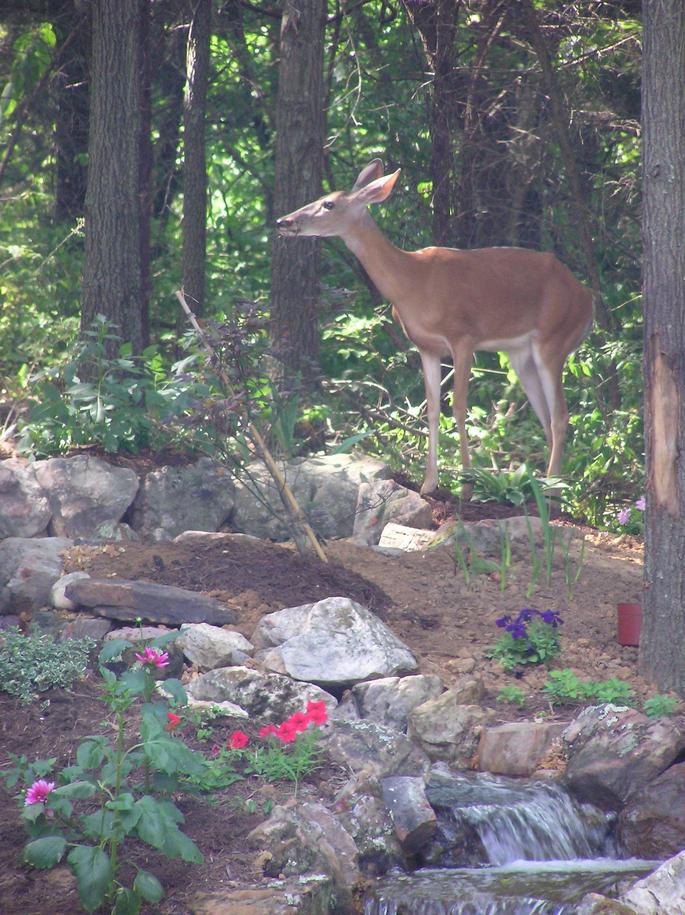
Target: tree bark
194 160
294 325
71 124
662 642
112 270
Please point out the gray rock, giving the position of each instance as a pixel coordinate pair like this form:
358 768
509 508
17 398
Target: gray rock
447 729
209 647
662 892
25 507
85 627
614 751
85 492
28 569
325 487
269 698
383 501
335 642
58 598
373 752
517 748
369 823
118 598
198 497
306 895
391 699
414 818
652 822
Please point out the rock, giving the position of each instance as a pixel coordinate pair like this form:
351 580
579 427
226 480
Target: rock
596 904
614 751
373 752
209 646
268 698
85 492
334 642
85 627
308 838
516 748
383 501
397 539
118 598
25 507
486 536
311 895
198 497
413 816
447 729
325 487
369 823
662 892
652 822
390 699
58 599
28 569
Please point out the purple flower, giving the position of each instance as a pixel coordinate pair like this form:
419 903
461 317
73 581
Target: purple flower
623 516
640 504
517 630
503 621
552 617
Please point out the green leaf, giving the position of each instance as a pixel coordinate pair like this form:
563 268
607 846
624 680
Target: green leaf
148 886
152 822
80 790
178 845
46 852
90 753
127 902
175 689
113 649
93 875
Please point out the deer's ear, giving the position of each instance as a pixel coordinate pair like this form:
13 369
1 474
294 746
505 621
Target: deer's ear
379 190
372 171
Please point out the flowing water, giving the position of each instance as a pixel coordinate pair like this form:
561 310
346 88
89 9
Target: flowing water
506 847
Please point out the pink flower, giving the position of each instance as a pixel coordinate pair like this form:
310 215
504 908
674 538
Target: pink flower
214 752
268 729
154 657
317 712
286 732
640 504
237 740
299 721
38 792
623 516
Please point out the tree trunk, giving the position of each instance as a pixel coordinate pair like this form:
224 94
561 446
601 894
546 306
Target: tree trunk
662 651
294 327
71 125
112 270
194 163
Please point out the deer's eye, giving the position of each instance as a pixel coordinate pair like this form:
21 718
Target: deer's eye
328 204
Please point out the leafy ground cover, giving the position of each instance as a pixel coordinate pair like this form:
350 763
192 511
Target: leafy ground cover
450 624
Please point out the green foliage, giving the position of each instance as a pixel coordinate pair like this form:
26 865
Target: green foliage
31 664
513 694
564 687
660 705
121 788
531 637
515 487
293 762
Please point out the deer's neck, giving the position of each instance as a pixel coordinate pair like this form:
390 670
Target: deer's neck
386 264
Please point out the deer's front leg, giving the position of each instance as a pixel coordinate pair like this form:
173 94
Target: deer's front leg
431 379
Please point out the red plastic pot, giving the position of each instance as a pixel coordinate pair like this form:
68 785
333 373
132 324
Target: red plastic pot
629 623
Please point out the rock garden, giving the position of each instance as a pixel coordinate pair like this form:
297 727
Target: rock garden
199 717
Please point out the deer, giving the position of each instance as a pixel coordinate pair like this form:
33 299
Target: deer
454 302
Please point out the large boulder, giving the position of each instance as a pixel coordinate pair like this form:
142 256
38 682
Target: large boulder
84 493
209 647
614 751
25 507
28 569
383 501
334 642
517 747
195 497
391 699
325 487
449 727
652 822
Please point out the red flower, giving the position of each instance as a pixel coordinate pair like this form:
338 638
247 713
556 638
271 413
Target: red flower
174 721
286 732
299 721
268 729
237 740
317 712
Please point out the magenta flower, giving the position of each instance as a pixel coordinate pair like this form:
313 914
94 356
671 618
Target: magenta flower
38 792
623 516
154 657
640 504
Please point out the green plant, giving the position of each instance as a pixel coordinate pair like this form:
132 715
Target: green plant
613 690
659 705
532 637
632 517
514 487
467 556
513 694
563 686
123 788
30 664
572 567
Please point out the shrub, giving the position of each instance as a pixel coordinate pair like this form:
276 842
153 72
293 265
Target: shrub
31 664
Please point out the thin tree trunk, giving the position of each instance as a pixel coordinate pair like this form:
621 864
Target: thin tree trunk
662 641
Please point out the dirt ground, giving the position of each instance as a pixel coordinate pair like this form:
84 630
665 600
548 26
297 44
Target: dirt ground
449 624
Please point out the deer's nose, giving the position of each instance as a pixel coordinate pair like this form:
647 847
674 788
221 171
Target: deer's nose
284 223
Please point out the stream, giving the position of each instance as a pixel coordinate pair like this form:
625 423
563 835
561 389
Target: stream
506 846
